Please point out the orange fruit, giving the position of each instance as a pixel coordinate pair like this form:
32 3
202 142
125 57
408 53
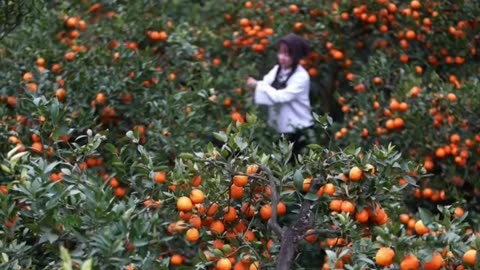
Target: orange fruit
410 262
329 189
384 256
120 192
230 214
3 189
160 177
176 259
336 205
217 227
37 147
61 94
362 216
281 209
311 236
195 221
197 196
184 204
224 264
69 56
470 257
114 182
435 263
459 212
404 218
420 228
254 266
347 207
236 192
252 169
196 181
192 235
266 212
240 180
212 209
355 174
248 210
306 184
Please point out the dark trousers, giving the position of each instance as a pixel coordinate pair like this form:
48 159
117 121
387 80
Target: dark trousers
300 138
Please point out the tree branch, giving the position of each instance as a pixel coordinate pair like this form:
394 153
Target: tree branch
273 222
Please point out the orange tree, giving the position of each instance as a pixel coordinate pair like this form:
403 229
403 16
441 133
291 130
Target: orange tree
108 109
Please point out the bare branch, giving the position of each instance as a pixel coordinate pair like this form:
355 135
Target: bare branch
273 222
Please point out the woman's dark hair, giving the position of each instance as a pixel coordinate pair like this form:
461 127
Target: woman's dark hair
298 48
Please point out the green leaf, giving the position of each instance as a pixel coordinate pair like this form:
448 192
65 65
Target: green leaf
87 265
187 156
311 196
314 146
425 215
240 142
67 261
298 179
5 257
221 136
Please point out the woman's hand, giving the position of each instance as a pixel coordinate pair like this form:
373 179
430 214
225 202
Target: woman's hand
251 83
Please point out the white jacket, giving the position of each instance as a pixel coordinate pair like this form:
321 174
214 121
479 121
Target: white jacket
289 108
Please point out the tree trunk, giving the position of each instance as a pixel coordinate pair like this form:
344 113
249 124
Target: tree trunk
288 249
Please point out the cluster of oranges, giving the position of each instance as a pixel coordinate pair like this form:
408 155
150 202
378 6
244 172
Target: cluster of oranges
201 221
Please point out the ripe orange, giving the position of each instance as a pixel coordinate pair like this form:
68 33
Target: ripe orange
254 266
212 209
266 212
410 262
176 259
470 257
217 227
384 256
61 94
311 236
224 264
252 169
347 207
240 180
160 177
404 218
336 205
37 147
69 56
197 196
3 189
293 8
27 77
355 174
248 210
196 181
362 216
459 212
306 184
184 204
329 189
281 209
236 192
435 263
420 228
192 235
120 192
230 214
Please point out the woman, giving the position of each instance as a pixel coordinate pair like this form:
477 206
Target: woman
285 90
